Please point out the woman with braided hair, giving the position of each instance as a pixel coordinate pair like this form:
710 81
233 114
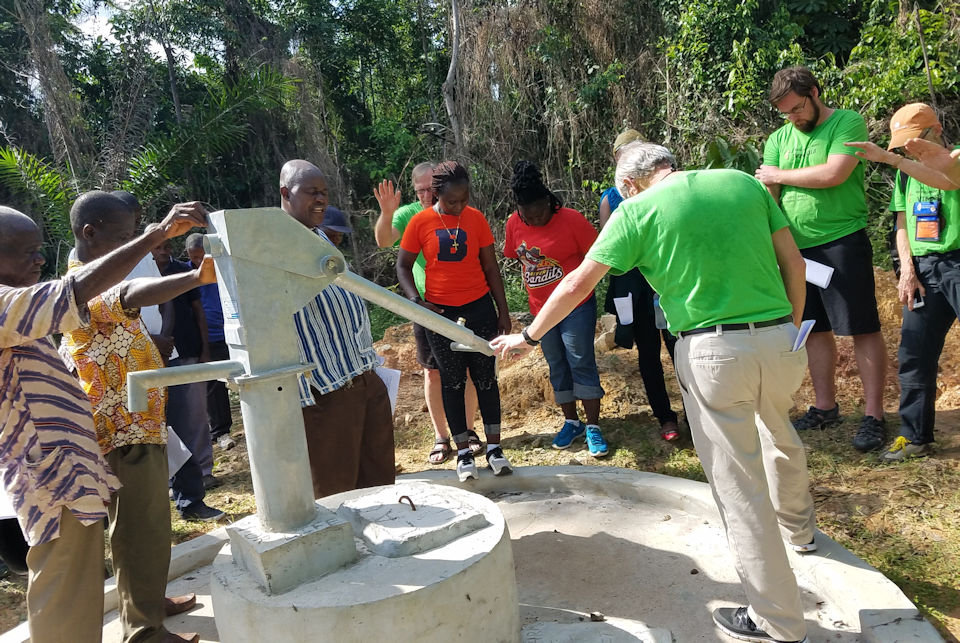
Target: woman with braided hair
550 240
461 275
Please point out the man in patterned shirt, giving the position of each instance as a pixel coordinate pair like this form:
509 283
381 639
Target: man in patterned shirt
105 348
50 462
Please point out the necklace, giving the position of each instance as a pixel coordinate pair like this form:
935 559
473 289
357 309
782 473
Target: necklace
453 235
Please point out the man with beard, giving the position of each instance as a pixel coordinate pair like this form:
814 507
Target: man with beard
818 183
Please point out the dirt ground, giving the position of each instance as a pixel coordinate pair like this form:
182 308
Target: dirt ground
903 519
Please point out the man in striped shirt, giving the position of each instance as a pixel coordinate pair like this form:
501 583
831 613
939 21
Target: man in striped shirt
49 457
346 409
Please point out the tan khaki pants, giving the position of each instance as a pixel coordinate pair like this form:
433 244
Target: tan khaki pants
140 538
65 590
738 388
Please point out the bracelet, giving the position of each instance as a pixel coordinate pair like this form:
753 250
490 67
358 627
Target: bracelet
531 341
415 299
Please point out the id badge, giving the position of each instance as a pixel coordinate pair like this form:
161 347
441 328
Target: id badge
928 220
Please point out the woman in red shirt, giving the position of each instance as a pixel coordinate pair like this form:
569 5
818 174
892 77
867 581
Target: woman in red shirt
550 240
461 275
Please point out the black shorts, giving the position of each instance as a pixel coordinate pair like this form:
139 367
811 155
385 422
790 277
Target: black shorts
848 306
424 352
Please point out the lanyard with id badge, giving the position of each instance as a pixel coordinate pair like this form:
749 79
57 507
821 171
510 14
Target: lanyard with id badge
929 222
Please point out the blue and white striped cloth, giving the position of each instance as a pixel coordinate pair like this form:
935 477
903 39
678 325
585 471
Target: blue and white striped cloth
333 333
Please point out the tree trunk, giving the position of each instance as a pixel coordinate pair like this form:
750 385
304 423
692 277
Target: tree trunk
449 85
172 73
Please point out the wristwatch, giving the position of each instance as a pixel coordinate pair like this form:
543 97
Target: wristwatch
531 341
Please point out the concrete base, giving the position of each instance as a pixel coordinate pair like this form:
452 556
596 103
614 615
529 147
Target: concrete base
446 593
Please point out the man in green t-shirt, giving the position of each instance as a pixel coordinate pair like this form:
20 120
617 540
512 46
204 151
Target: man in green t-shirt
388 230
927 207
717 248
818 182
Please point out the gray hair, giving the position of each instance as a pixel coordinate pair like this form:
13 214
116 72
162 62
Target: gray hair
195 240
638 160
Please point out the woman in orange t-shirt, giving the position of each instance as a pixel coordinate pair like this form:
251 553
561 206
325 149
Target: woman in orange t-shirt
461 275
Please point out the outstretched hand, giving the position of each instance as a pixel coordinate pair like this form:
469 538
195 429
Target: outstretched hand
936 157
873 152
182 218
513 346
388 197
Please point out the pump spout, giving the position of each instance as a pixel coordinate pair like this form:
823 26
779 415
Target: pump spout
140 381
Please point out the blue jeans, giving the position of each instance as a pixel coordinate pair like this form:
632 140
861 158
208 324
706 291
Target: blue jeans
568 347
921 342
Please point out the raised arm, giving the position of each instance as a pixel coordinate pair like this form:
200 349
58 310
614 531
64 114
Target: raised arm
389 199
152 291
919 171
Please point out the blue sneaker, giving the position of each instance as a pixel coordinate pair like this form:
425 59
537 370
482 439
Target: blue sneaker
595 442
571 431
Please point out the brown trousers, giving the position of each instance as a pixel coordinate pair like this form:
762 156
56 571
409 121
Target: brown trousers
140 538
350 437
65 591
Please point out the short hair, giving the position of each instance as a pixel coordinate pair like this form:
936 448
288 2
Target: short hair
422 168
528 186
127 197
293 172
449 173
639 160
194 240
798 80
95 207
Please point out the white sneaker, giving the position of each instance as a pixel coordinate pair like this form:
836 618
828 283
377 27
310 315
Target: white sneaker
498 462
466 467
806 548
225 442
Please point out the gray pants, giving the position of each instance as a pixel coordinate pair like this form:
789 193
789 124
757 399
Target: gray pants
187 414
738 388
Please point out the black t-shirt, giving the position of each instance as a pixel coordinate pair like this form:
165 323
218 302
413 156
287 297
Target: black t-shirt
186 332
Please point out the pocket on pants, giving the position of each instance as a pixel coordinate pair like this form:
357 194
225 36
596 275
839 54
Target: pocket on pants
793 368
719 379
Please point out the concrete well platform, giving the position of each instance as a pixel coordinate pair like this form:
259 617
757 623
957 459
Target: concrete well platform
646 551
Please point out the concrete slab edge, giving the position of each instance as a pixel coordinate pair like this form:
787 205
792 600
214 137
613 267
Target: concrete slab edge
858 590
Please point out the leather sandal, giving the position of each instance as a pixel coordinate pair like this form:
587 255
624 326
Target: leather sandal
441 452
474 443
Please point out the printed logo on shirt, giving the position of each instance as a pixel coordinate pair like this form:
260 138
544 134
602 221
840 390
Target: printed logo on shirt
801 154
452 244
538 271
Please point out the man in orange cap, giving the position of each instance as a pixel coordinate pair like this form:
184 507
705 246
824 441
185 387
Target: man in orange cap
927 207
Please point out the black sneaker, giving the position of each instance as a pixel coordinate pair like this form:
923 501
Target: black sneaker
735 622
871 434
200 511
816 418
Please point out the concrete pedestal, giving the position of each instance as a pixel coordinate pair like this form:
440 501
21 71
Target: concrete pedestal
443 572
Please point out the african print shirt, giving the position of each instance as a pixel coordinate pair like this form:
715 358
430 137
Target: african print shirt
49 457
104 350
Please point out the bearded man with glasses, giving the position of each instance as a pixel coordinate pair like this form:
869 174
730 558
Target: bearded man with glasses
819 184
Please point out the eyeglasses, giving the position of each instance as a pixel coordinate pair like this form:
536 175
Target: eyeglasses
796 111
423 191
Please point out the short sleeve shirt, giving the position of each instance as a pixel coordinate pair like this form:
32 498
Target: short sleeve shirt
549 252
400 220
820 215
186 331
451 247
903 200
703 241
110 345
49 456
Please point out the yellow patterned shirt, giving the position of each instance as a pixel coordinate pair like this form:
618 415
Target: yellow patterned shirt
110 345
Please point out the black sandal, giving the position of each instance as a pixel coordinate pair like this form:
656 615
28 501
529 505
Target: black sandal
474 443
441 452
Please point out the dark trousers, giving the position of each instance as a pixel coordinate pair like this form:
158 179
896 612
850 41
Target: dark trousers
350 437
186 415
921 342
647 337
218 401
481 318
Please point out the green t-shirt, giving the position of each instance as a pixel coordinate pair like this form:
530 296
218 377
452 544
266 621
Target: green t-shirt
703 241
820 215
903 200
400 220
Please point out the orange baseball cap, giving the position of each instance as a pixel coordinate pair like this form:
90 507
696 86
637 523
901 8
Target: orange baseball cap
909 122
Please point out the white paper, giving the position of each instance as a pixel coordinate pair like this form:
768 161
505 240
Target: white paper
805 328
6 506
624 307
177 452
391 379
818 274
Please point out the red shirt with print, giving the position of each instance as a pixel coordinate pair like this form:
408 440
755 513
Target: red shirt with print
547 253
451 247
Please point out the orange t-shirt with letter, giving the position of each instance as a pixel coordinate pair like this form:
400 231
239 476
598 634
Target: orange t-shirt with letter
451 247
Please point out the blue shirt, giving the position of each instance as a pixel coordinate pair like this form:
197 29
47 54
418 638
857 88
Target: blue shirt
613 196
333 333
210 300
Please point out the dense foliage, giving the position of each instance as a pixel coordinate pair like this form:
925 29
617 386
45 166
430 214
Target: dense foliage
177 99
